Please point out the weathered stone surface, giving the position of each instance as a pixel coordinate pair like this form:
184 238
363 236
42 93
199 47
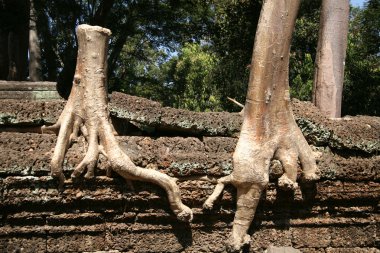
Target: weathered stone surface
312 250
308 237
75 242
28 90
27 244
29 113
349 237
176 156
106 214
131 113
266 237
337 214
352 133
273 249
352 250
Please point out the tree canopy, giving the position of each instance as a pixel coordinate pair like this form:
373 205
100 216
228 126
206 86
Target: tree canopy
194 54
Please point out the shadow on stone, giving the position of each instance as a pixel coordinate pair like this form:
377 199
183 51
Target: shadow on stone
182 231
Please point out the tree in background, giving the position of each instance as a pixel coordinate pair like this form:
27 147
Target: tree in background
331 54
362 76
301 76
34 46
149 36
303 50
232 36
227 32
157 24
143 70
192 83
14 28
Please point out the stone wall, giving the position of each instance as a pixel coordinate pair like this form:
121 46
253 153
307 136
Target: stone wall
340 213
28 90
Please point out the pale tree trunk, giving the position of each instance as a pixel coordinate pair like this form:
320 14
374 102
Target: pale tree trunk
34 47
86 112
331 54
269 129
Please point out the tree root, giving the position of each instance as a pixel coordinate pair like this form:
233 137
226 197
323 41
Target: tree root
251 174
86 113
268 130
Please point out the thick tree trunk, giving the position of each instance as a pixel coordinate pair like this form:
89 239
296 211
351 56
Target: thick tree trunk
268 130
34 47
331 54
86 111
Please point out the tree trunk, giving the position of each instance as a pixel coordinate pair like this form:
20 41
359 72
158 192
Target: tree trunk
18 54
4 67
268 130
18 42
86 111
34 47
48 43
101 13
331 54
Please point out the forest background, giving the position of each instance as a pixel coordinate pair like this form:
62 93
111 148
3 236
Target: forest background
193 54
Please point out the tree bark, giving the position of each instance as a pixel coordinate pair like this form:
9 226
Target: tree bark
18 42
34 47
86 111
331 54
4 58
101 13
48 43
269 129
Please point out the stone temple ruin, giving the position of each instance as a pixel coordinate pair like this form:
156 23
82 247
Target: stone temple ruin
340 213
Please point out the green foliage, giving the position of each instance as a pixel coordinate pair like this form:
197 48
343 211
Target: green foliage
150 25
301 71
370 25
146 35
302 57
193 81
193 54
142 76
226 30
305 35
362 74
232 40
183 80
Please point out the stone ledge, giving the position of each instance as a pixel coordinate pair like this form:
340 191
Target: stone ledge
140 116
28 90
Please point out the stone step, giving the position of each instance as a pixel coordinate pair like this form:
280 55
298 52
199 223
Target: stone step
28 90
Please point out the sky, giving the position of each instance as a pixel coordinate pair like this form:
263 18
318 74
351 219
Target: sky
357 3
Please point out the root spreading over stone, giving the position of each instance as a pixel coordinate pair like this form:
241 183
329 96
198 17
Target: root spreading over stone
269 129
86 113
